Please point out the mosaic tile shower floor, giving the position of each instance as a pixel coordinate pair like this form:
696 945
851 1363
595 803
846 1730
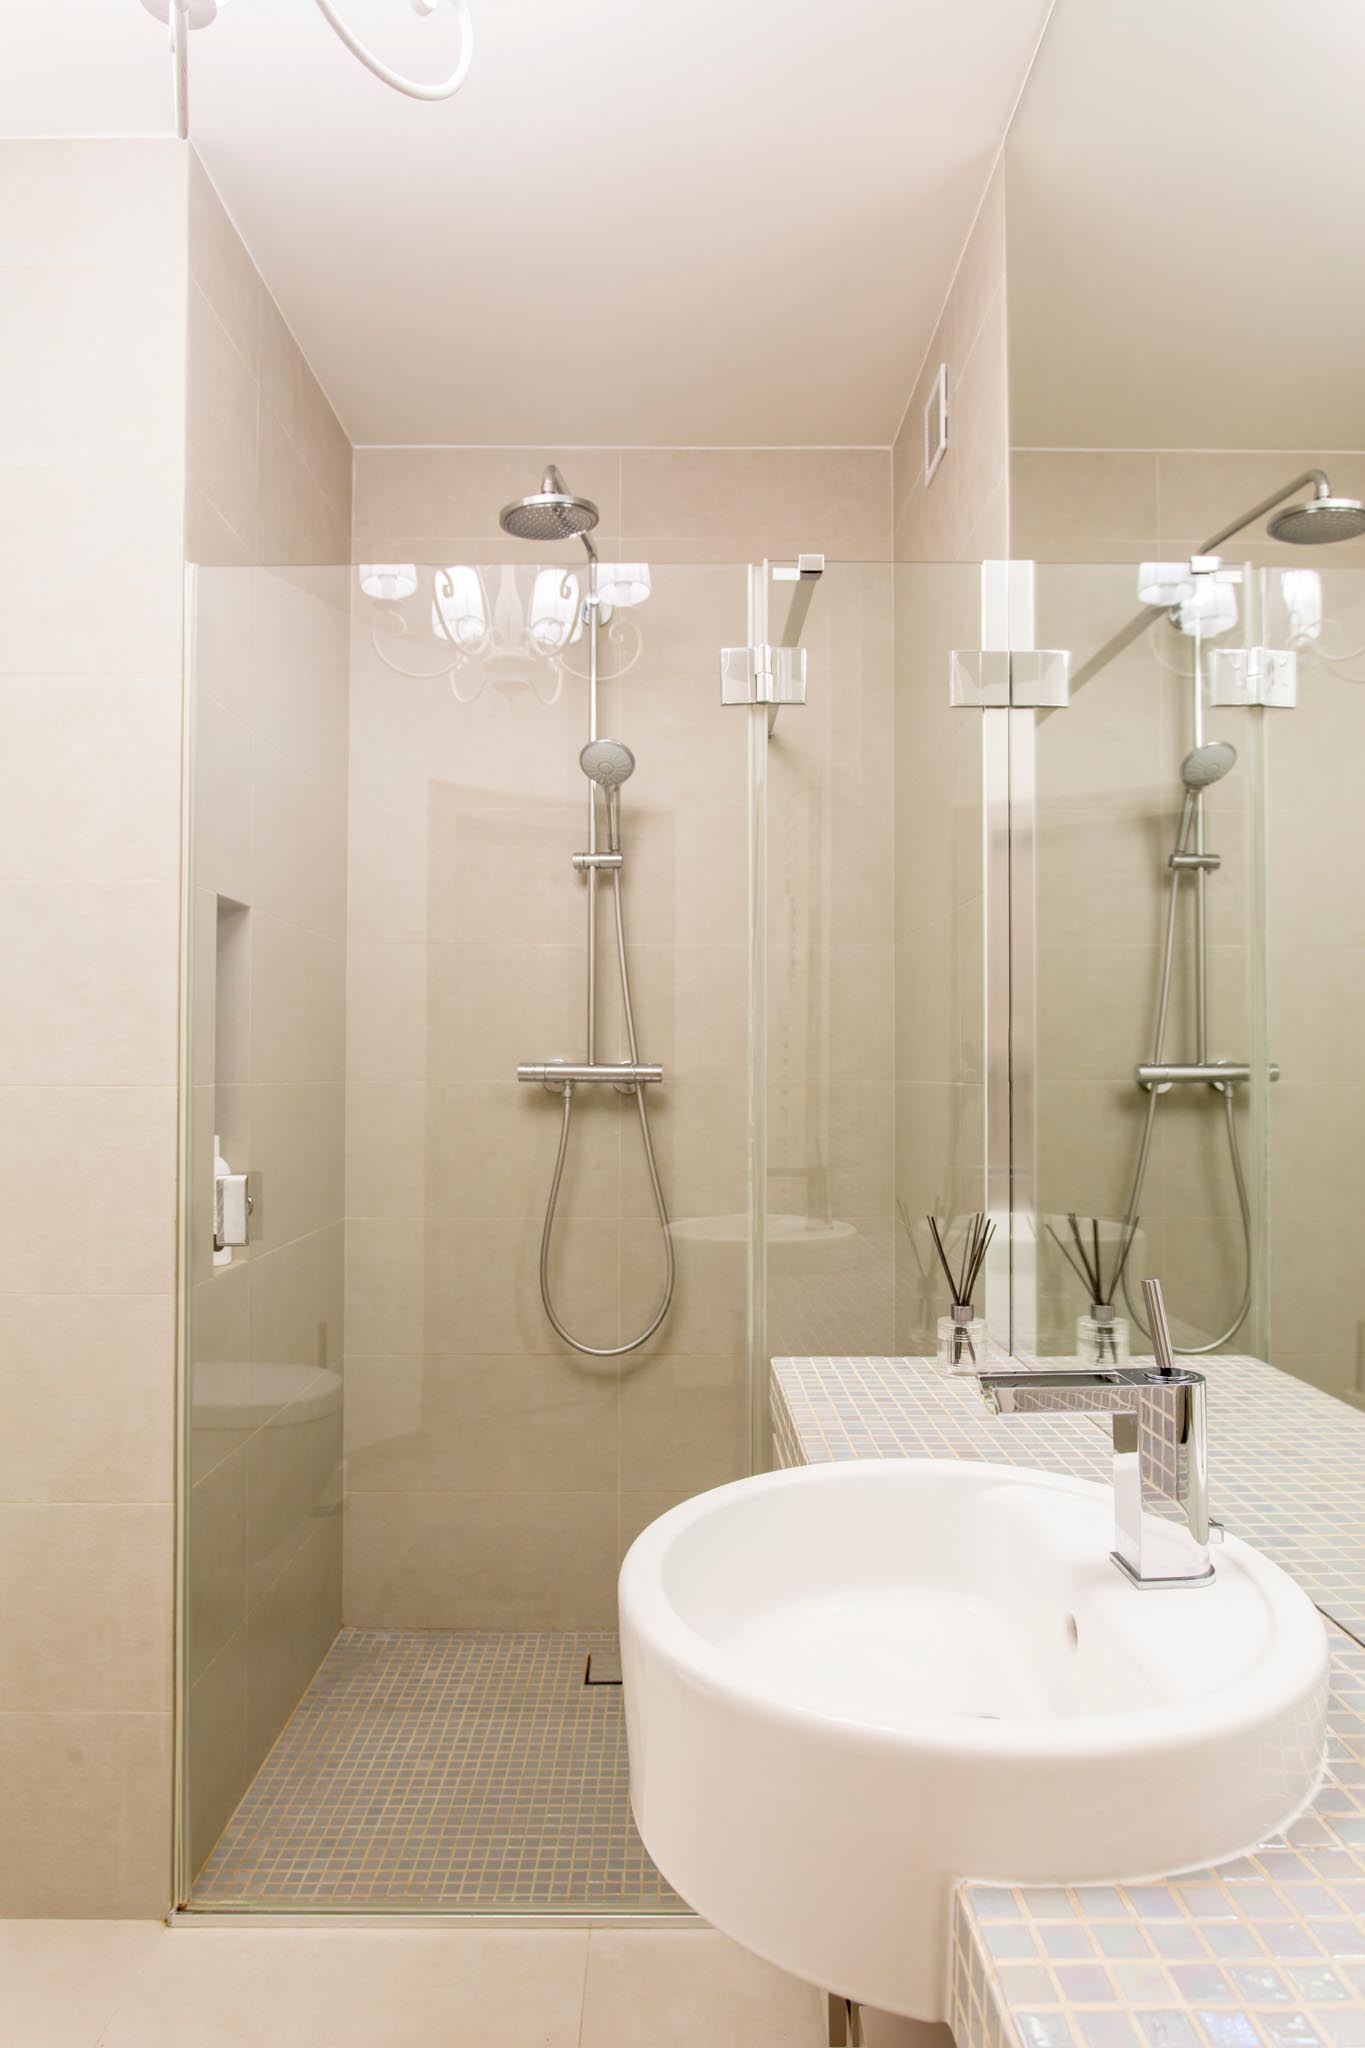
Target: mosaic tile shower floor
444 1771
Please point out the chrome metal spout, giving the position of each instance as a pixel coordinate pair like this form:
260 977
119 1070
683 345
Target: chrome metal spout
1162 1531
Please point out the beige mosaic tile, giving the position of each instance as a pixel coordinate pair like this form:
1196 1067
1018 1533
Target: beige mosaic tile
431 1770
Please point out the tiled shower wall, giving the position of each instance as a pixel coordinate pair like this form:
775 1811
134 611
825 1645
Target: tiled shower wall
268 482
493 1478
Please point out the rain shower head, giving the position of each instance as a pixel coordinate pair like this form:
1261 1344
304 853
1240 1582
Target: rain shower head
608 763
551 513
1323 518
1207 764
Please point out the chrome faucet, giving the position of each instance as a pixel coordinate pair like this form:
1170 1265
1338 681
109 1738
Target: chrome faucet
1162 1530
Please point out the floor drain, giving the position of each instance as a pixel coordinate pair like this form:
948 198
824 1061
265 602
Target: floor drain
602 1668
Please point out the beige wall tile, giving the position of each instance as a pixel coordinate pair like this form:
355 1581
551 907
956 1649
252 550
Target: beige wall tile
692 1987
298 1152
684 1422
64 1979
299 844
461 1560
298 521
289 1632
298 1003
84 1414
442 504
120 546
707 1314
351 1988
76 821
216 1734
223 1407
269 466
87 1607
87 1814
221 267
217 1560
1075 504
293 1484
745 504
293 394
223 428
94 203
120 405
475 1425
92 983
699 1132
66 1148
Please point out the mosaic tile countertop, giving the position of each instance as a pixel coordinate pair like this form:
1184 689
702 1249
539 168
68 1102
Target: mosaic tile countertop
1265 1952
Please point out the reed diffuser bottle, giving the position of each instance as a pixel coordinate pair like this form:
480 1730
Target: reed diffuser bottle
962 1333
1102 1337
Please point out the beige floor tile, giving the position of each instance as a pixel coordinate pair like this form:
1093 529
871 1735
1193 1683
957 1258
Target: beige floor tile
63 1979
352 1988
693 1987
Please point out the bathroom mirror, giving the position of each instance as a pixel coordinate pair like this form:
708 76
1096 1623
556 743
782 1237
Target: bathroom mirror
1185 292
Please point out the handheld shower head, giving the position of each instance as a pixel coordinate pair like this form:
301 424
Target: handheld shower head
608 763
1207 764
551 513
1323 518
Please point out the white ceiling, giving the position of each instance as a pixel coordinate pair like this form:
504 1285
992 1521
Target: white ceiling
699 222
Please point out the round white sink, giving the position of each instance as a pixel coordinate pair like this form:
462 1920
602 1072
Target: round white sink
848 1687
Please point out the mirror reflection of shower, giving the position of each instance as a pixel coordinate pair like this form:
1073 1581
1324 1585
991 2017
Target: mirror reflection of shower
1200 601
554 514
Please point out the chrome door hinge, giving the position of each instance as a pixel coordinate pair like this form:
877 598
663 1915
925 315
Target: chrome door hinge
1254 675
1029 679
763 675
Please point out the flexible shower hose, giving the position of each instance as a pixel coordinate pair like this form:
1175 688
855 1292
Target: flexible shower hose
1145 1148
610 1350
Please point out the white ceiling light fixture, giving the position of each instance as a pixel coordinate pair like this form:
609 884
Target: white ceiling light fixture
184 15
521 639
623 584
391 581
446 88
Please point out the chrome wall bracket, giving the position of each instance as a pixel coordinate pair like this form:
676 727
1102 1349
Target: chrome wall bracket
1267 676
1017 679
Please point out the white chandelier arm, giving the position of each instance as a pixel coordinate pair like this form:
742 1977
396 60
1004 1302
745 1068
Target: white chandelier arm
412 87
398 625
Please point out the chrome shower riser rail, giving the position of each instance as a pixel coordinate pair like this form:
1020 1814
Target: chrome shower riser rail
607 764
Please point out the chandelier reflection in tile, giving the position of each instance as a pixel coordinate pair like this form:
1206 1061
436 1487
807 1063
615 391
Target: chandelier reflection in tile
518 641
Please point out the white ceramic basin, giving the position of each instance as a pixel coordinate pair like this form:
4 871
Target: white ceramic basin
849 1686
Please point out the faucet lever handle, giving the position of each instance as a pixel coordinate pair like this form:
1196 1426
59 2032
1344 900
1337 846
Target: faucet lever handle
1155 1305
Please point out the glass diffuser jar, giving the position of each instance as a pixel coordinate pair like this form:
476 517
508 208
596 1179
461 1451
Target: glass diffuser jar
962 1339
1102 1338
